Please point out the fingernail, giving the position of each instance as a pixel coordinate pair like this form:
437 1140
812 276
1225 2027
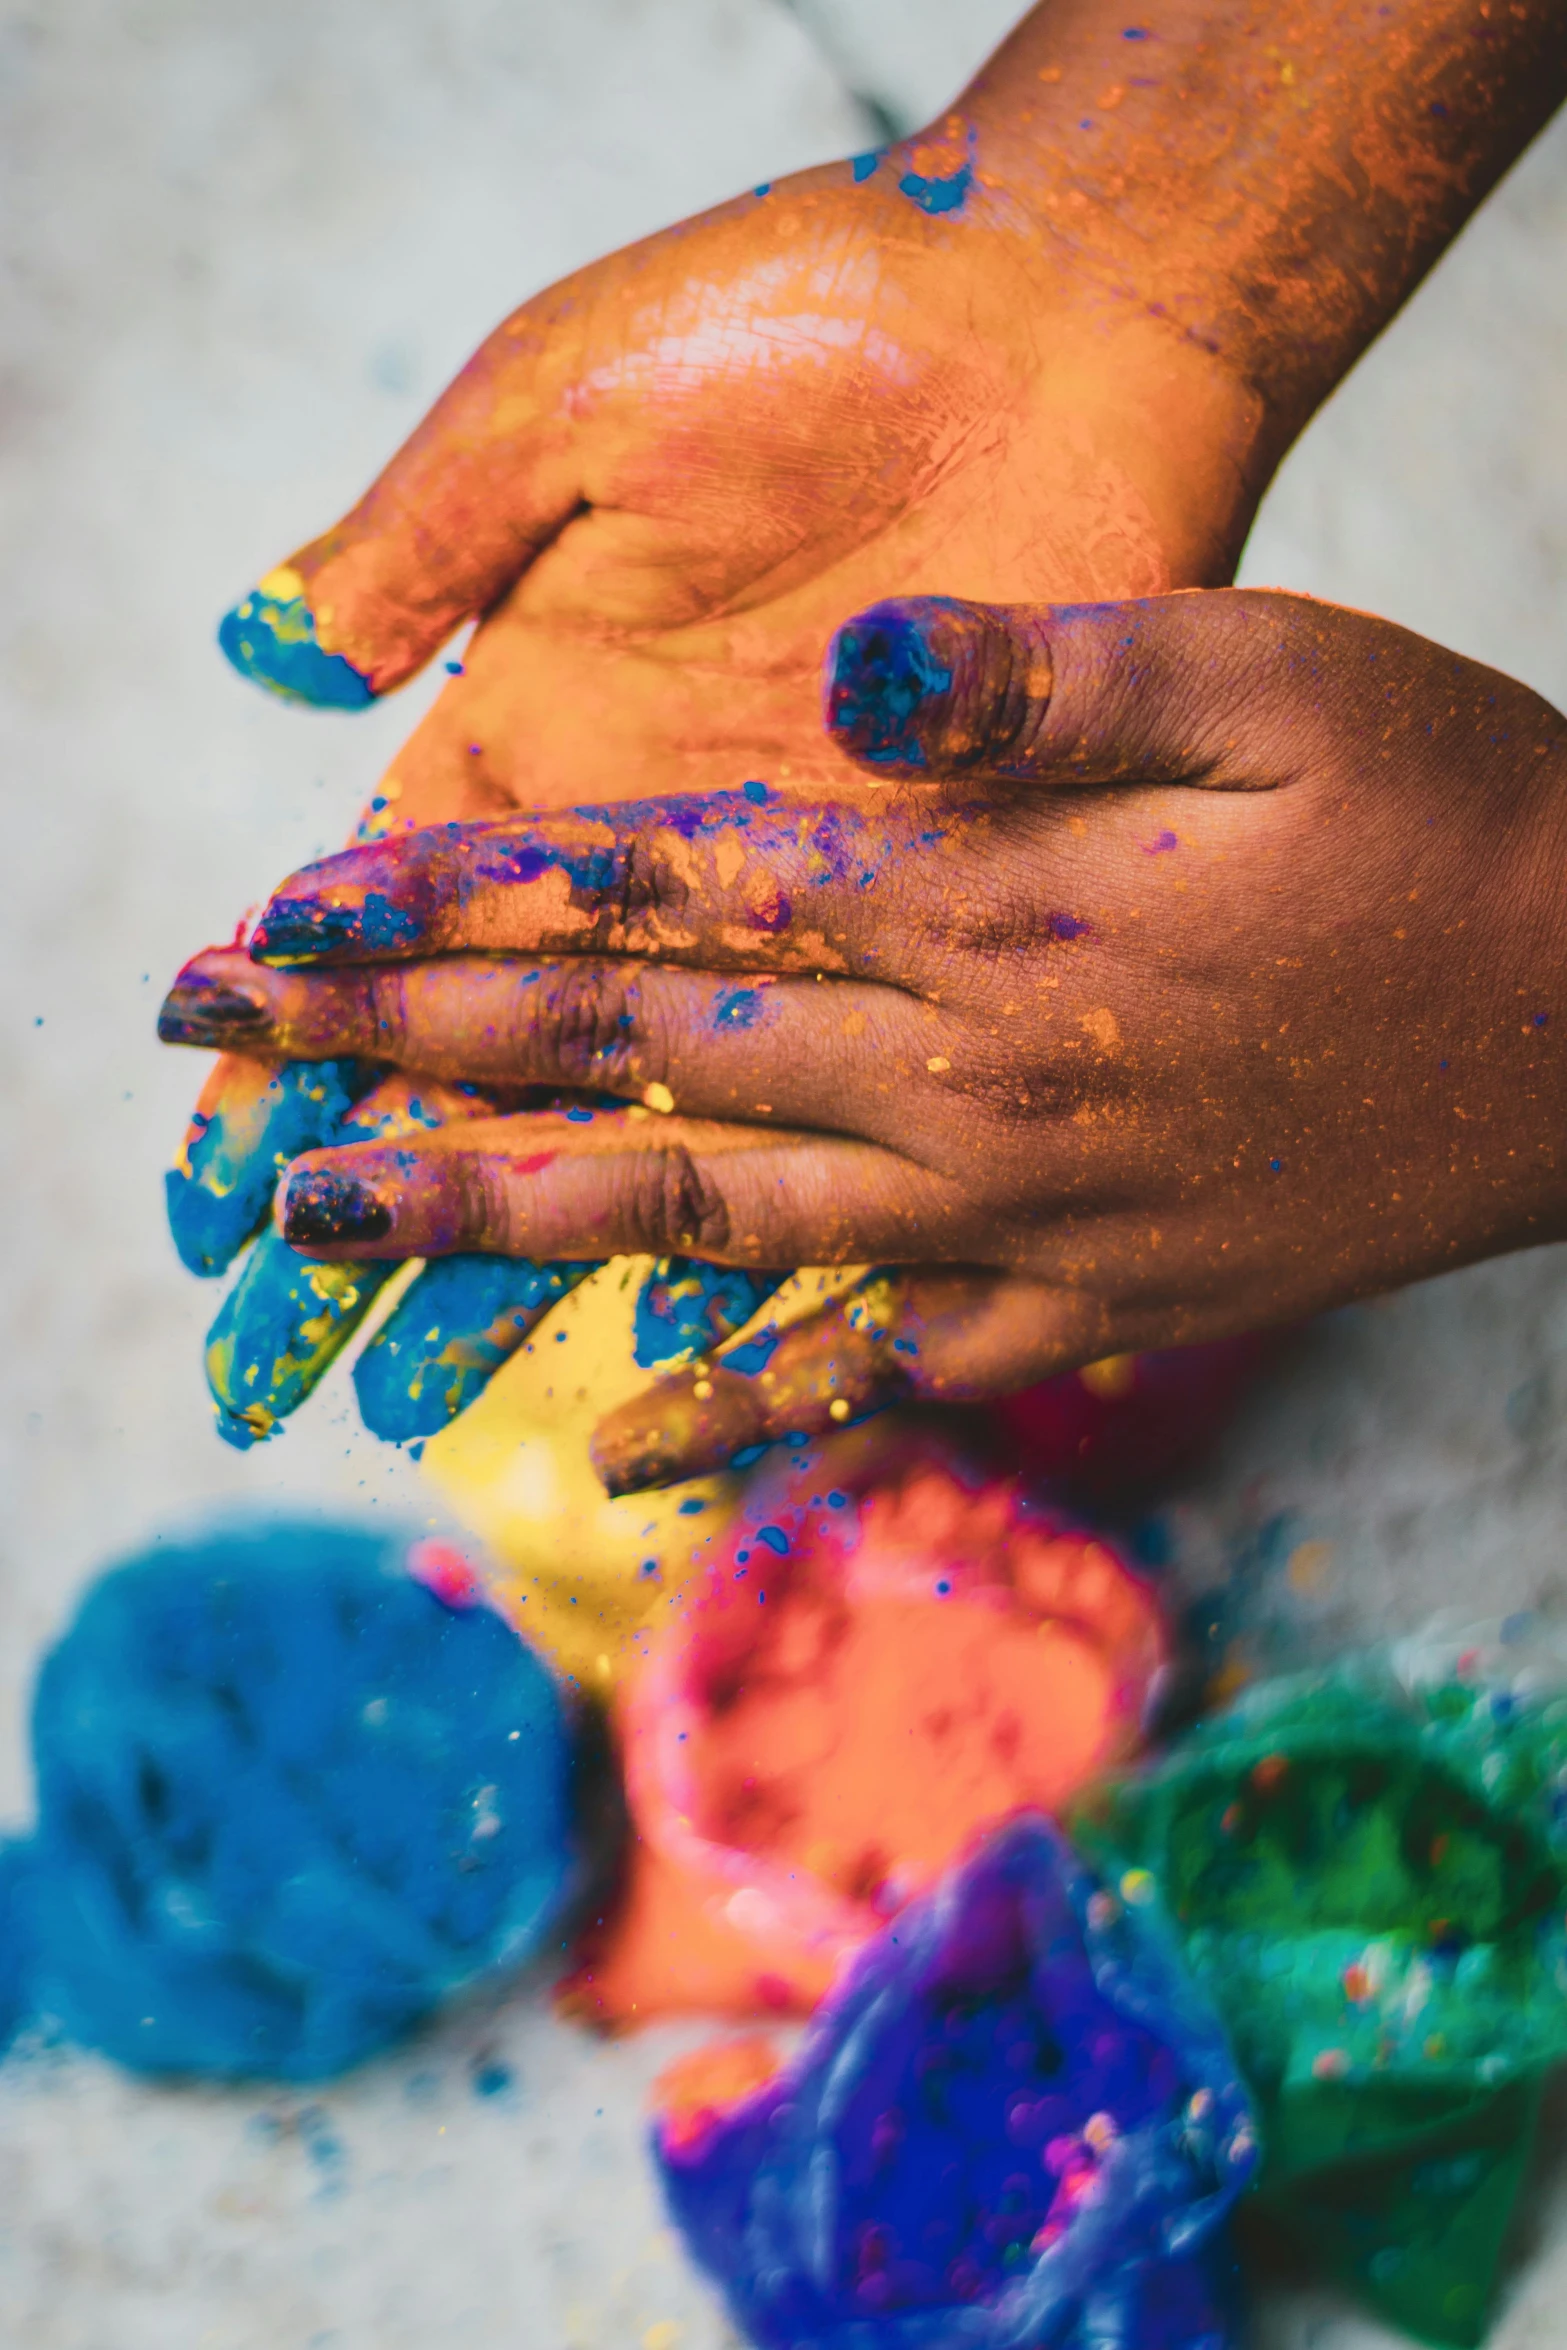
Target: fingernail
322 1208
270 636
210 1013
885 685
932 682
299 929
305 930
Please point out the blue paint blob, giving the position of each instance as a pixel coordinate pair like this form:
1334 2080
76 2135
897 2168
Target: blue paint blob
944 192
445 1339
885 682
16 1961
776 1540
756 793
864 167
689 1308
222 1188
272 641
287 1803
1014 2122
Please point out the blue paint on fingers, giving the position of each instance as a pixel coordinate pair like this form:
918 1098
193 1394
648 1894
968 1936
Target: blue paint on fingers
689 1308
278 1332
222 1184
444 1341
272 640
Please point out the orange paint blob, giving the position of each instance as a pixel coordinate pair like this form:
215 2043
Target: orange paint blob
869 1679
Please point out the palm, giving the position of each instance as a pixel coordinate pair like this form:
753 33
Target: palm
730 436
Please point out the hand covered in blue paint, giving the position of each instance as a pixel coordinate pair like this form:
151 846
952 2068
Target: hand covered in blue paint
1200 975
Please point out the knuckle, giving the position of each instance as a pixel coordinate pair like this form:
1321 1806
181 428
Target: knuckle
675 1204
595 1016
636 880
382 1008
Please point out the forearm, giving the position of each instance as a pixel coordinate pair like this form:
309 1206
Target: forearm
1274 176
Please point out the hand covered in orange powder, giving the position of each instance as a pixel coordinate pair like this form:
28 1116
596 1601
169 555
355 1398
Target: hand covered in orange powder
1202 975
1049 349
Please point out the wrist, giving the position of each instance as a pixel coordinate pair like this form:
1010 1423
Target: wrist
1268 187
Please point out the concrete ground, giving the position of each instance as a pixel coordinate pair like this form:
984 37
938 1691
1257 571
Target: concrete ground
243 248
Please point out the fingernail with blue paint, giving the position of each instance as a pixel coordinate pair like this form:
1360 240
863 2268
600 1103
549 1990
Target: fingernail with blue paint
322 1209
270 637
212 1014
887 688
366 901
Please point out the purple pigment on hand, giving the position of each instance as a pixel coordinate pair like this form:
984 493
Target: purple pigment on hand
1015 2123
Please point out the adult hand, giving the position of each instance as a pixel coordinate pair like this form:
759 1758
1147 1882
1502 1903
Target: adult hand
1207 972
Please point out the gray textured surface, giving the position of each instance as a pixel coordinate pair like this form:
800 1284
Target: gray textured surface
243 248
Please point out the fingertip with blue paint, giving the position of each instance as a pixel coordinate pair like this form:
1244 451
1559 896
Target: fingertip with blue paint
278 1331
270 637
686 1307
886 684
243 1134
444 1340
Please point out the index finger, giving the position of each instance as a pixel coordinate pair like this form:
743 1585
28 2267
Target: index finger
730 880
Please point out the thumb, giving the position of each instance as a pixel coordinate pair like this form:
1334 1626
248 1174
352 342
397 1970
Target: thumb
1185 688
470 498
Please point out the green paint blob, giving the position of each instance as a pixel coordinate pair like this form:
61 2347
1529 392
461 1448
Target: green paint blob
1369 1875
